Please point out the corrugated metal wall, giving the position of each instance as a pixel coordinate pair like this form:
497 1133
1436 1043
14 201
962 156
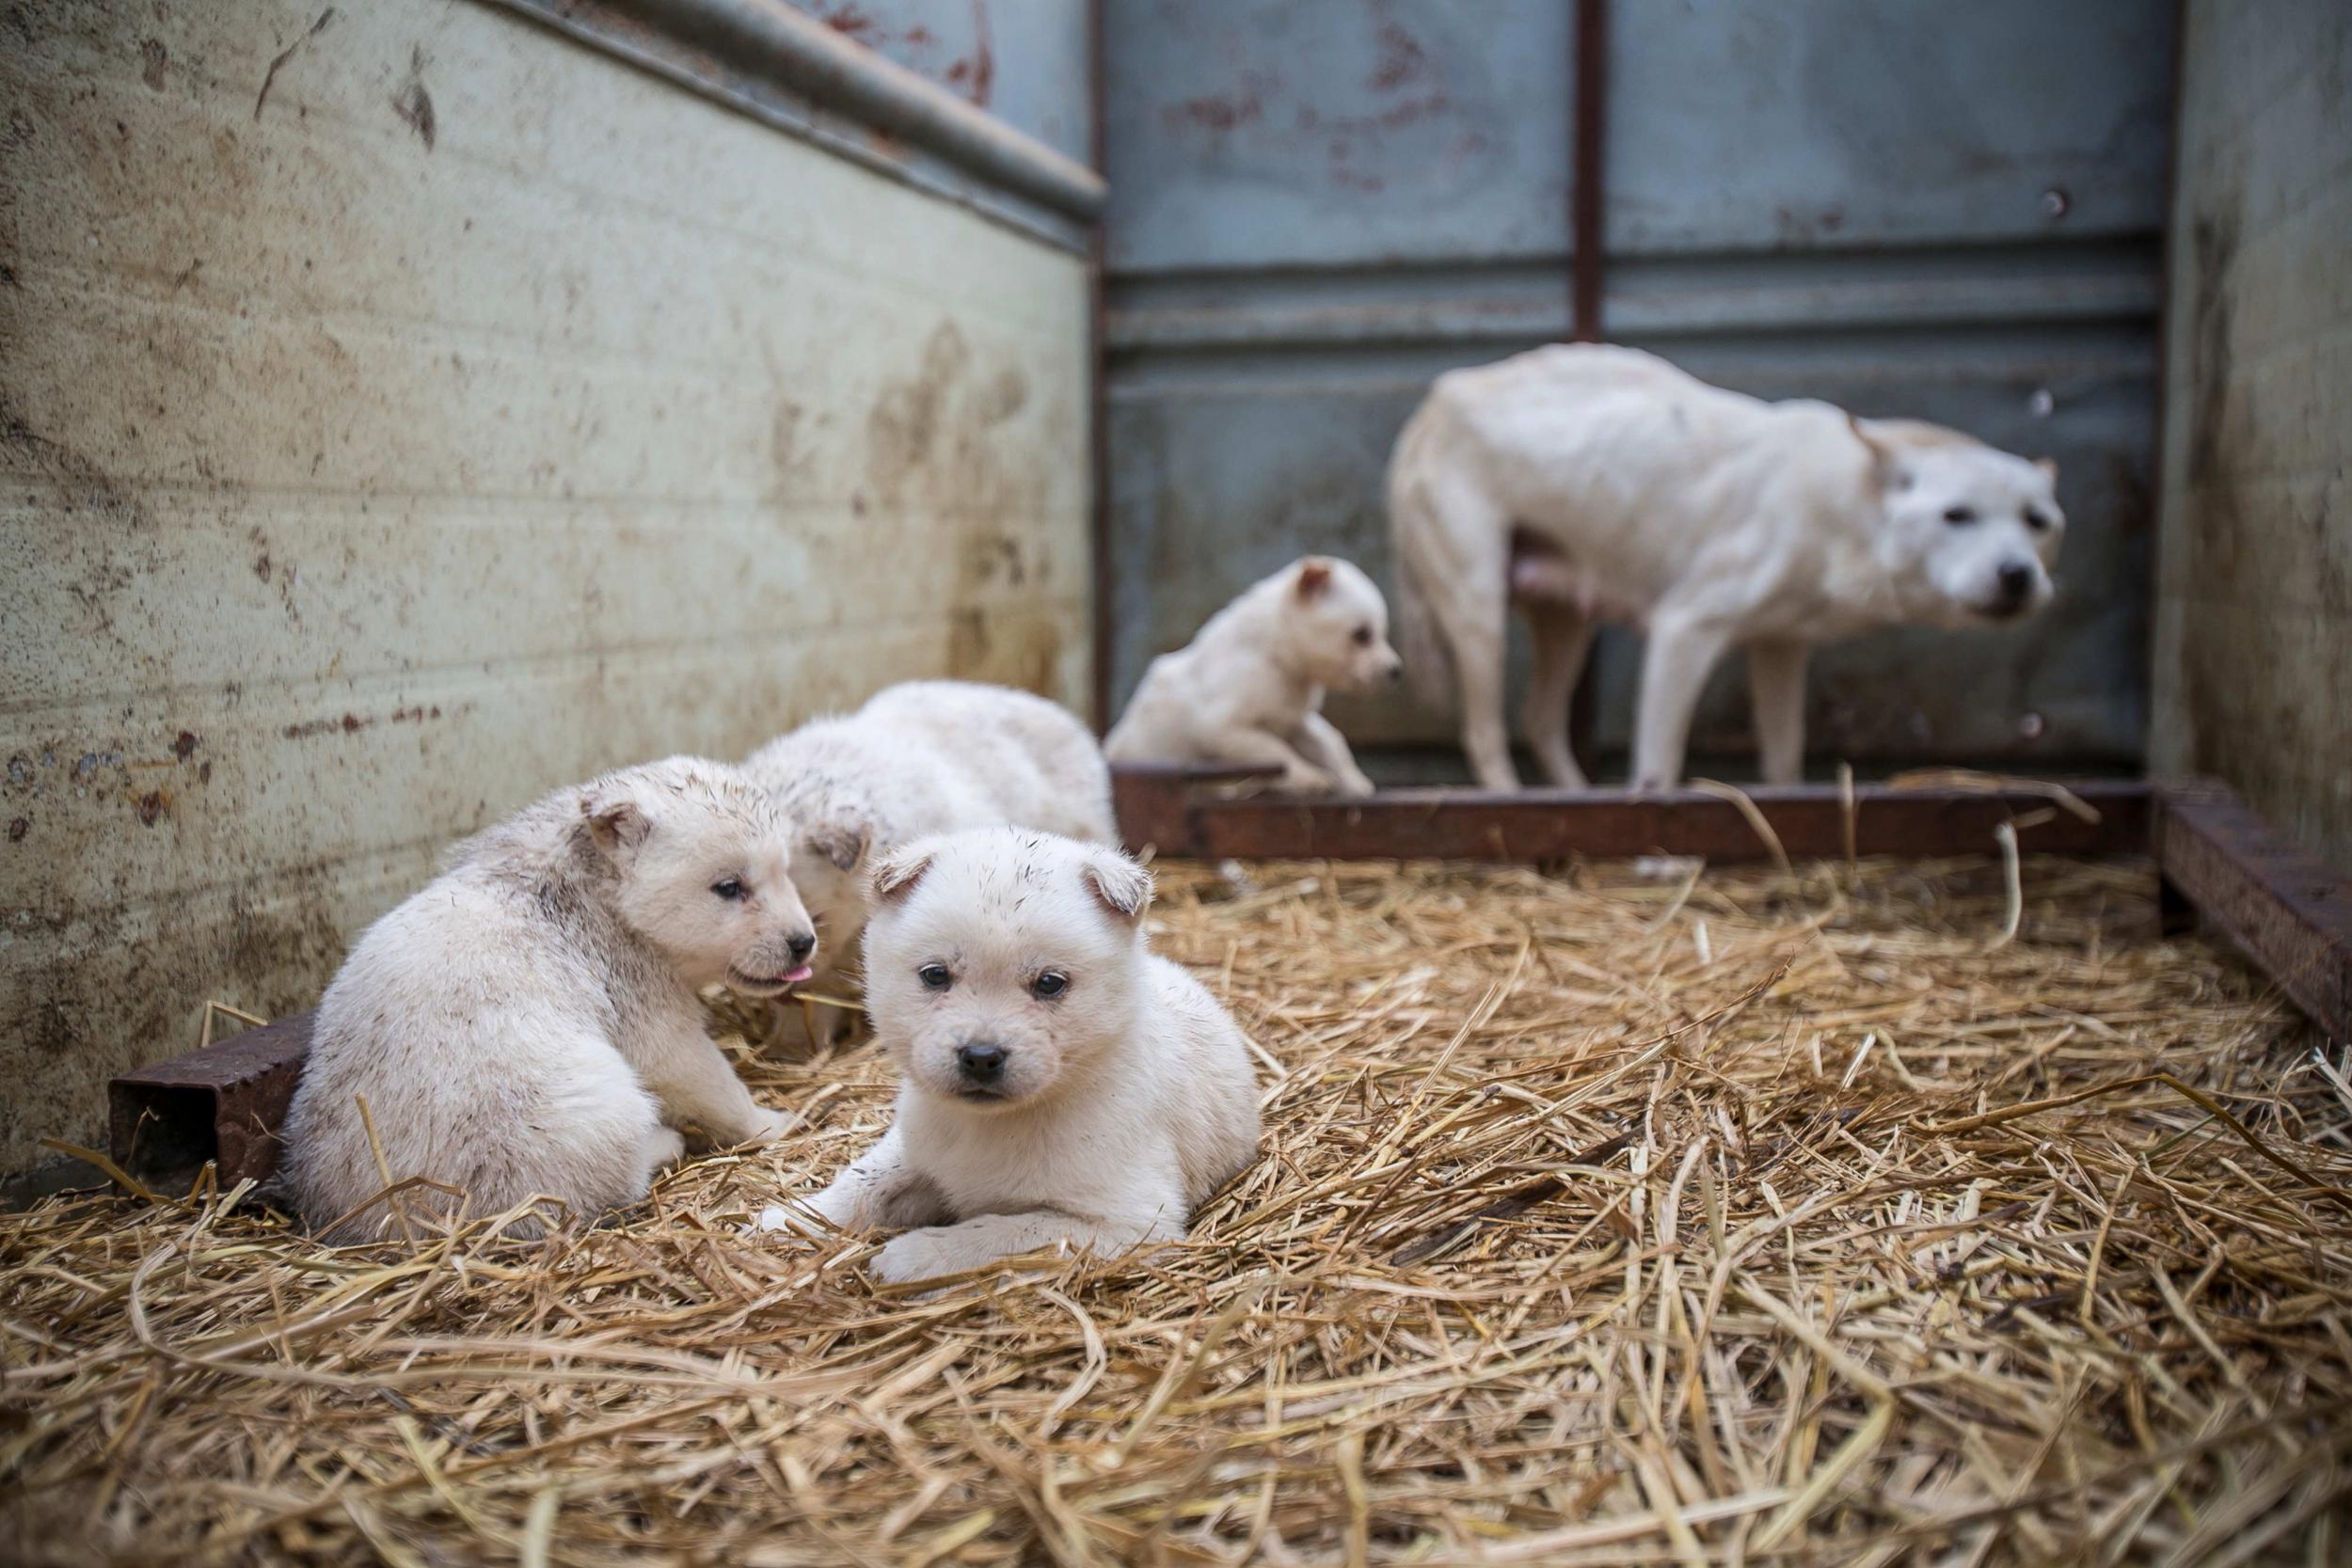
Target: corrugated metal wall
2253 667
1905 207
407 410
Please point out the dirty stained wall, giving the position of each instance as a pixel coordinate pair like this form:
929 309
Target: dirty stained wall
407 410
2253 644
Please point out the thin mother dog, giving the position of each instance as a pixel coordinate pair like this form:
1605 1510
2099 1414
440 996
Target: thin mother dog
1589 483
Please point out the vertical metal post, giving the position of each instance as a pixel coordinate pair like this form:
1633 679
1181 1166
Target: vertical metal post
1587 244
1587 187
1098 395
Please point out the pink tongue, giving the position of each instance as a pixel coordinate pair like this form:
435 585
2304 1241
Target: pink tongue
799 975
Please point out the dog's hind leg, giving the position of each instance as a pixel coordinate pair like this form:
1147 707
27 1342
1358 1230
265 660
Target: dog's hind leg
1562 639
1776 700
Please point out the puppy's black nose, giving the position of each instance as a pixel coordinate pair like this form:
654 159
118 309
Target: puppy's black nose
2016 582
983 1062
1396 672
801 944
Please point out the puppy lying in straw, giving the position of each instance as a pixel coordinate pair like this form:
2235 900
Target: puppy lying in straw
1586 484
529 1024
921 758
1249 686
1061 1085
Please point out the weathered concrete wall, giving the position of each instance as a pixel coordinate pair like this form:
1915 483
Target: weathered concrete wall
407 410
2253 644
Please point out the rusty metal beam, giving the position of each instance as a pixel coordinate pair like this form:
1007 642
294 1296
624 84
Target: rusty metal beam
1588 243
2285 908
1105 581
223 1103
1587 190
793 72
1178 816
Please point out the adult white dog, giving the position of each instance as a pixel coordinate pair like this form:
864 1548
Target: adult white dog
529 1024
1060 1084
1591 484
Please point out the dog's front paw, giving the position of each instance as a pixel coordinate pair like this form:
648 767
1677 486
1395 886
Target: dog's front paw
1304 779
927 1253
792 1221
1354 785
769 1126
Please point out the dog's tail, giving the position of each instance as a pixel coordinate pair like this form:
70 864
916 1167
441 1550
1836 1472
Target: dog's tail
1420 640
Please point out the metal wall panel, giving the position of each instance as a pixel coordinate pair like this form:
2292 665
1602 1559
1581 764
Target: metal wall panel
409 412
2253 663
1910 209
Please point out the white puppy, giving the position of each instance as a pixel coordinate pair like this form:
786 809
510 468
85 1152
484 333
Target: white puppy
1594 483
919 758
1061 1085
1249 686
529 1022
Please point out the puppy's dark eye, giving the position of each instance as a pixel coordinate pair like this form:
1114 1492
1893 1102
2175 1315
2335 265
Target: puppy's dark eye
731 889
1049 985
2037 519
934 976
1959 517
1363 636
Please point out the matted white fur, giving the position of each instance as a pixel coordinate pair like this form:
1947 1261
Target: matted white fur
1248 688
529 1022
1594 484
922 757
1061 1083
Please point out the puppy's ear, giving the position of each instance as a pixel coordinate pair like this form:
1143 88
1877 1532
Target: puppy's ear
2048 466
1886 470
614 820
1314 578
1119 884
899 871
843 843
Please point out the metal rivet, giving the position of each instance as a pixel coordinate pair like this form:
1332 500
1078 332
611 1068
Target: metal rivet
2042 404
2056 204
2030 726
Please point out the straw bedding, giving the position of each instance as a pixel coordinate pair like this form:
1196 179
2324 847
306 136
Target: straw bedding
1602 1218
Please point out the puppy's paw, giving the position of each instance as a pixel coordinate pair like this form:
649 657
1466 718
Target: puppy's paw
1354 785
789 1221
924 1254
664 1148
1303 779
769 1126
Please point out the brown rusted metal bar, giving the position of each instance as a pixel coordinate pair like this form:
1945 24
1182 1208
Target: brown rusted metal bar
1810 821
1586 190
2286 909
1588 242
1098 389
223 1103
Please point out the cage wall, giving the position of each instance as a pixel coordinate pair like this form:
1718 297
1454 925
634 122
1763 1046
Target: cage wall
410 408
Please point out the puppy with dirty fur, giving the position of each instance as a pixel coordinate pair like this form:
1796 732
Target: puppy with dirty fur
1061 1085
1248 688
1583 483
921 758
530 1024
